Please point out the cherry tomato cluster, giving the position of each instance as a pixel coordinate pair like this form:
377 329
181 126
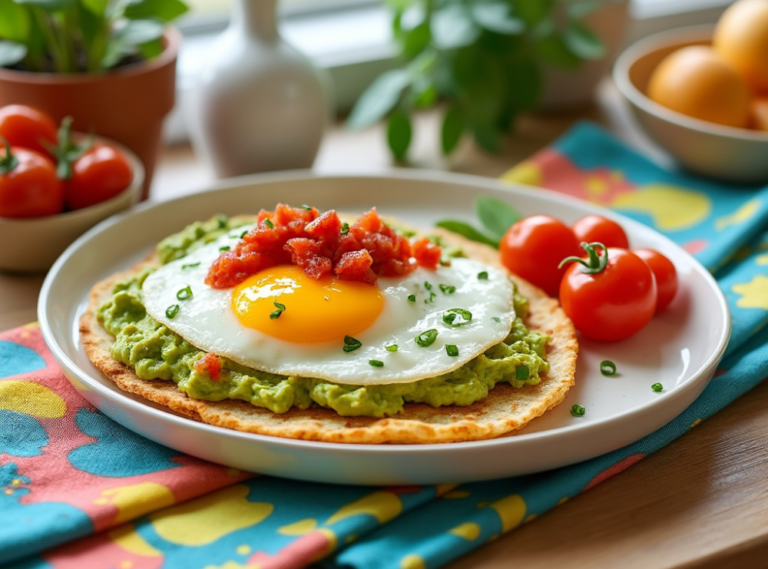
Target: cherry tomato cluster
609 292
43 172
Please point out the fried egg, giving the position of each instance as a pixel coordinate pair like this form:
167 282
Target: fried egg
284 322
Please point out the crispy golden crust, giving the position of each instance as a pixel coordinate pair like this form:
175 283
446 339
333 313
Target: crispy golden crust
504 410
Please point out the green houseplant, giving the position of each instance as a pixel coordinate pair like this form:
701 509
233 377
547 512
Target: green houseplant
482 58
110 64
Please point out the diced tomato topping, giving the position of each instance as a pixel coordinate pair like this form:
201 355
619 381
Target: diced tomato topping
426 253
321 244
210 365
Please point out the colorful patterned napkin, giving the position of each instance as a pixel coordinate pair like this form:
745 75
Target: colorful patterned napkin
66 471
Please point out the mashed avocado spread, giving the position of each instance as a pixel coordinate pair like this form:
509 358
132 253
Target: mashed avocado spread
155 352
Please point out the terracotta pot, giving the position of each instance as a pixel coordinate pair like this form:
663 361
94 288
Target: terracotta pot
127 105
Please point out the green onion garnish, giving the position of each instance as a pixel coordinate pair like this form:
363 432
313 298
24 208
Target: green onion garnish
608 368
280 309
392 348
306 207
184 293
172 310
224 248
450 316
451 350
268 223
657 387
190 265
426 338
447 289
482 275
432 297
522 373
344 228
496 319
427 285
411 298
578 411
351 344
376 363
243 234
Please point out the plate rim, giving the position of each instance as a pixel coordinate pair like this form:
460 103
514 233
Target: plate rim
120 398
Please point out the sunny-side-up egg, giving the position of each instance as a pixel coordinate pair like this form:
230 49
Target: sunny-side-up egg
468 304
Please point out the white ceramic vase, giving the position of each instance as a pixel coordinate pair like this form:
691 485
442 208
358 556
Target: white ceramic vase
259 104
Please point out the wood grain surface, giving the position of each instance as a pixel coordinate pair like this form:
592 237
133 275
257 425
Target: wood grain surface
701 502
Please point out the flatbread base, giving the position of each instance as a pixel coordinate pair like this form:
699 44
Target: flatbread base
504 411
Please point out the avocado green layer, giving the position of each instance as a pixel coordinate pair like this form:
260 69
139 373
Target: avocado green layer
155 352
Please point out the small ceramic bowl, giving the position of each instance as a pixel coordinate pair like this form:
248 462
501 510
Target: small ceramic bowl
727 153
33 244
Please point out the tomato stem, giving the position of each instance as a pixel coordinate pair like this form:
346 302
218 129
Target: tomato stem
8 162
594 263
66 150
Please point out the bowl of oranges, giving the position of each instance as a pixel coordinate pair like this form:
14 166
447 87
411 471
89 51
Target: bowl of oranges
702 93
55 185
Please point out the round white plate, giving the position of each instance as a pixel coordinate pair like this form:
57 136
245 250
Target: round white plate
680 348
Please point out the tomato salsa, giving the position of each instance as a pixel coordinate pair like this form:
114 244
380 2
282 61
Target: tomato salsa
321 244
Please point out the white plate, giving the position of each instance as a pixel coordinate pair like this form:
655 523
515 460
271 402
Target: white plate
680 348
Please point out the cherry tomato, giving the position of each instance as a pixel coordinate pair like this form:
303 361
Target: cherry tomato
615 301
26 127
596 228
533 248
28 185
665 273
99 174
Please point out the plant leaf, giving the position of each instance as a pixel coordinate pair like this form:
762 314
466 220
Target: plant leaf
452 27
553 50
127 39
416 40
533 11
583 42
14 21
452 129
95 7
577 9
47 5
487 137
378 99
496 17
11 52
399 134
496 216
163 10
466 230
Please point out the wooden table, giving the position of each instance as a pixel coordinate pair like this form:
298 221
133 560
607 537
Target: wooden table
700 502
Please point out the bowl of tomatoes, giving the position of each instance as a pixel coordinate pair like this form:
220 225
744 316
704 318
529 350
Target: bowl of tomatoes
702 93
55 185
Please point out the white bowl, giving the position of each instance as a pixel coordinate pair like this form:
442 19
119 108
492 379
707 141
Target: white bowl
33 244
709 149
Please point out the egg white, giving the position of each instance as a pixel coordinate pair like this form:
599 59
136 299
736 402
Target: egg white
206 321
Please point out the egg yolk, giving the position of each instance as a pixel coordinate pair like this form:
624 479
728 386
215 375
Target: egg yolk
316 311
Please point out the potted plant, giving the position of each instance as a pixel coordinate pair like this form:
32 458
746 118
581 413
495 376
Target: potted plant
487 61
110 64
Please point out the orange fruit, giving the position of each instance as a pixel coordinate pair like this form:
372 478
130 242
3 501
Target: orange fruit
696 82
741 38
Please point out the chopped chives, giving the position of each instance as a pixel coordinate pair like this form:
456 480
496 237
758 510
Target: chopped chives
496 319
351 344
447 289
392 348
450 316
268 223
344 228
306 207
184 293
426 338
243 234
190 265
427 285
451 350
657 387
280 309
376 363
578 411
172 310
411 298
482 275
607 368
224 248
432 297
222 221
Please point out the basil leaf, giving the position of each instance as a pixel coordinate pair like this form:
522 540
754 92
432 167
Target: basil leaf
583 42
496 216
14 21
127 39
466 230
496 17
164 10
11 53
399 134
378 99
453 27
553 50
452 129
